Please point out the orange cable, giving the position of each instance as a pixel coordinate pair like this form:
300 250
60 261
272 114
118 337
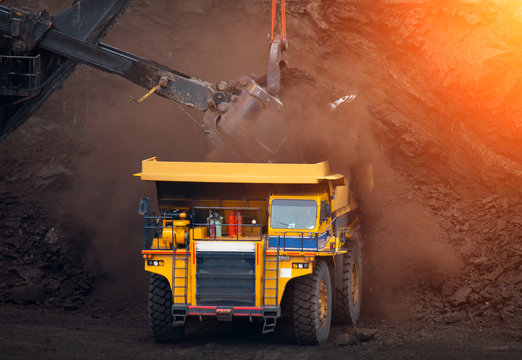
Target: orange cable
273 20
283 20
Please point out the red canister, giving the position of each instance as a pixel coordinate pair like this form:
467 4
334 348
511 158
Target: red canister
232 227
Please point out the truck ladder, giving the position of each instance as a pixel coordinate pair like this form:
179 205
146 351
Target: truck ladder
179 282
270 288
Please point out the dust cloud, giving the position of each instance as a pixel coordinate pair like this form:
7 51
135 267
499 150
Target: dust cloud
404 243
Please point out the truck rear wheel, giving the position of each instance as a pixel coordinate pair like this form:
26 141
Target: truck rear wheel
312 308
349 290
160 315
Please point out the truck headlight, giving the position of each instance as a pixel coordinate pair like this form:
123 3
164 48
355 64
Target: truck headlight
155 262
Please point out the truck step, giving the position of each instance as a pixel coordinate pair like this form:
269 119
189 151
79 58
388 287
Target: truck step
269 325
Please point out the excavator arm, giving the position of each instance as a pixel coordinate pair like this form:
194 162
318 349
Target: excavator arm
38 52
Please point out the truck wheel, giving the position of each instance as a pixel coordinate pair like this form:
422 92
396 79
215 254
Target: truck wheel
312 308
349 290
160 316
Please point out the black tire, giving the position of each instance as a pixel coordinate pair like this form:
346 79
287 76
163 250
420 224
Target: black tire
160 315
348 291
311 318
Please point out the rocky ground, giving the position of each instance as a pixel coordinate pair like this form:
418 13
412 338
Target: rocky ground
437 112
122 333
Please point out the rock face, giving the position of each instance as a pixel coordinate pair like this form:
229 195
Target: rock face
459 61
460 44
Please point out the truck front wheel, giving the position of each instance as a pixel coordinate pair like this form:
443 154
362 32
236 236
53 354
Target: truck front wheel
160 315
312 308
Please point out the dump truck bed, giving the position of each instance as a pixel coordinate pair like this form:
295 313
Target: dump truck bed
245 173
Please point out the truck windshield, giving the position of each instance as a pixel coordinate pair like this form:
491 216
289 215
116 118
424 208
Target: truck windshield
293 214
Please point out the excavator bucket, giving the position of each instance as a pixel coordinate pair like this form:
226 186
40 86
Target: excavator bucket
250 128
28 78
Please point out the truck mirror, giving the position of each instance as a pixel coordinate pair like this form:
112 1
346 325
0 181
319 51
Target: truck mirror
143 207
326 211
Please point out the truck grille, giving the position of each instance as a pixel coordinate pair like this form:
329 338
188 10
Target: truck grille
225 278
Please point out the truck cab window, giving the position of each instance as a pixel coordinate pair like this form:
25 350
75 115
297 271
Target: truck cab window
293 214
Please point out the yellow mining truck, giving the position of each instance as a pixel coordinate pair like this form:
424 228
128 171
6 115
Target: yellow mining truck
251 240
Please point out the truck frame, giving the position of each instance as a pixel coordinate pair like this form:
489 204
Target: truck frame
255 240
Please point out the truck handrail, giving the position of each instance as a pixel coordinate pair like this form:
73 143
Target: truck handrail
152 225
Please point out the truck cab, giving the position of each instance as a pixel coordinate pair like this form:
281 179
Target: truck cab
299 221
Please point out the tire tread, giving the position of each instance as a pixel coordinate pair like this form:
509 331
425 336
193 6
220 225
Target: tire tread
160 317
306 298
